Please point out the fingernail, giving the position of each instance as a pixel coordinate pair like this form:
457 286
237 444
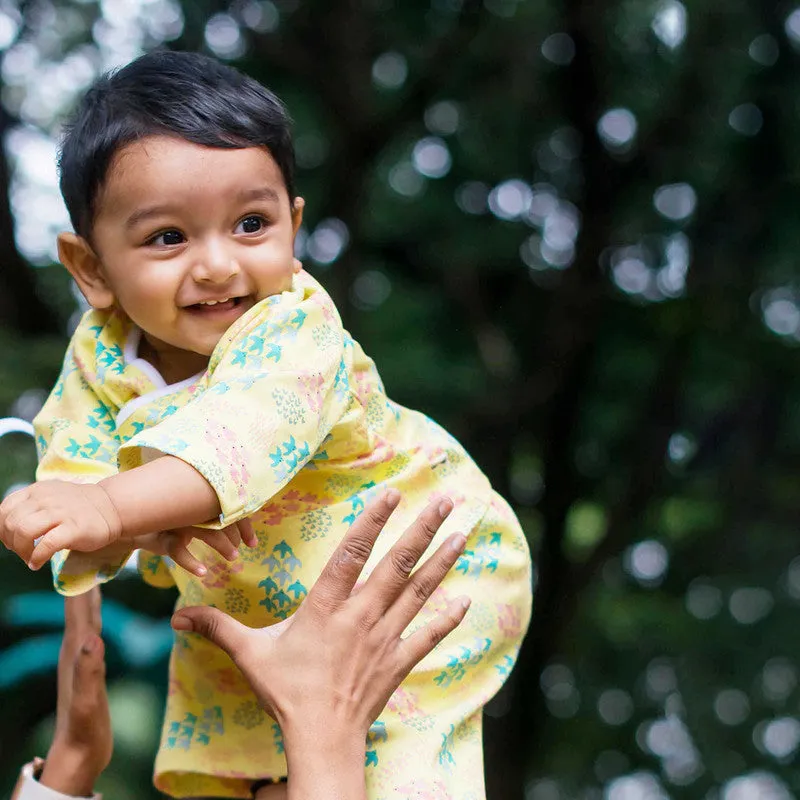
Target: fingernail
181 623
445 507
200 571
392 497
32 566
90 645
466 602
458 542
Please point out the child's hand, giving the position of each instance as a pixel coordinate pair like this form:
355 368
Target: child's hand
60 515
175 544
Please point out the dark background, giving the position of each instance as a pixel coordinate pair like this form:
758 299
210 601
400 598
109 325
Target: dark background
569 232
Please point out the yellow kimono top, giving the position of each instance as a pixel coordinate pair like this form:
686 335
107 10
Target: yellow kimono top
291 426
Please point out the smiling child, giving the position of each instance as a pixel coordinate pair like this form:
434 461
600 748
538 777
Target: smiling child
213 384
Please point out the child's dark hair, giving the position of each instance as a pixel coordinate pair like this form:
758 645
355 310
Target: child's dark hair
186 95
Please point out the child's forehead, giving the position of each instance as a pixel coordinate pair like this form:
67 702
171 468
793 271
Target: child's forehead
168 165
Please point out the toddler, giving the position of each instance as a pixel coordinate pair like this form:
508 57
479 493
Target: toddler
212 384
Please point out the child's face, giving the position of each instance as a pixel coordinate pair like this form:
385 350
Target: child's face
180 226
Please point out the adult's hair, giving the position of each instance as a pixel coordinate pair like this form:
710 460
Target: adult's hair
186 95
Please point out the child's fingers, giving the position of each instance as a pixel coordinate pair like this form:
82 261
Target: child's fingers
423 583
415 647
22 529
179 552
59 538
249 536
233 535
390 577
221 542
344 566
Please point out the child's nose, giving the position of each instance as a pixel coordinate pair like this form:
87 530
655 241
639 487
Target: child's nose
215 264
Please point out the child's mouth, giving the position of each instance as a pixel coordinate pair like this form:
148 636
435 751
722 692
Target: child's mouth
216 307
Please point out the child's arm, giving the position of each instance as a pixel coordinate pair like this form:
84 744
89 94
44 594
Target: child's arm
162 494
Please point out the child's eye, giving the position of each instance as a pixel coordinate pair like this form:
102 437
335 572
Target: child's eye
251 224
167 239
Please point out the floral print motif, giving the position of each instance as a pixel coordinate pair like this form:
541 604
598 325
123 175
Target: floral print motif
249 715
236 601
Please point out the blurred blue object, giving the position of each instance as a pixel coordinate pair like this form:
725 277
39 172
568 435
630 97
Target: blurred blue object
139 640
26 659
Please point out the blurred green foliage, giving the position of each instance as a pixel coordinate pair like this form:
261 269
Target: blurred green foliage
568 231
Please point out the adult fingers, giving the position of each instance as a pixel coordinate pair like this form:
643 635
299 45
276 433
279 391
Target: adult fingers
89 681
344 566
423 583
225 632
390 576
415 647
177 549
82 612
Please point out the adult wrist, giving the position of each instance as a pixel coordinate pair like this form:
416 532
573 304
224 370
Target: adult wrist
324 764
69 771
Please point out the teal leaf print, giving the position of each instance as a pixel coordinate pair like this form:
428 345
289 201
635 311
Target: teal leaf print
287 458
458 665
358 502
483 555
446 758
282 565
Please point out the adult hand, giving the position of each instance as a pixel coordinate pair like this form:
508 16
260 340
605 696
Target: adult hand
326 672
82 744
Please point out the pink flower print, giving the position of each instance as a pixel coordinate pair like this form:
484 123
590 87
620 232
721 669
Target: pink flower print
437 602
228 680
176 687
219 574
311 389
404 704
509 620
230 455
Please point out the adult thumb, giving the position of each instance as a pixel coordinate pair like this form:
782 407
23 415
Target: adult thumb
212 624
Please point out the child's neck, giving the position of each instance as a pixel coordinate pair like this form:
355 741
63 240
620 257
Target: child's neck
174 365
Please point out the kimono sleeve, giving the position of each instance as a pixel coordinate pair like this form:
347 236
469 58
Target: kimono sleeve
76 441
275 390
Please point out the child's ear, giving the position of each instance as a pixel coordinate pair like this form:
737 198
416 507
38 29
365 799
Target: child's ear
297 215
297 220
77 255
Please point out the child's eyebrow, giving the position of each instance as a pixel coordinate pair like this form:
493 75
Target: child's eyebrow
244 196
142 214
259 193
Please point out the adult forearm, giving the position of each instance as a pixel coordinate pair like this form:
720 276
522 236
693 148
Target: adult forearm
324 766
161 495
